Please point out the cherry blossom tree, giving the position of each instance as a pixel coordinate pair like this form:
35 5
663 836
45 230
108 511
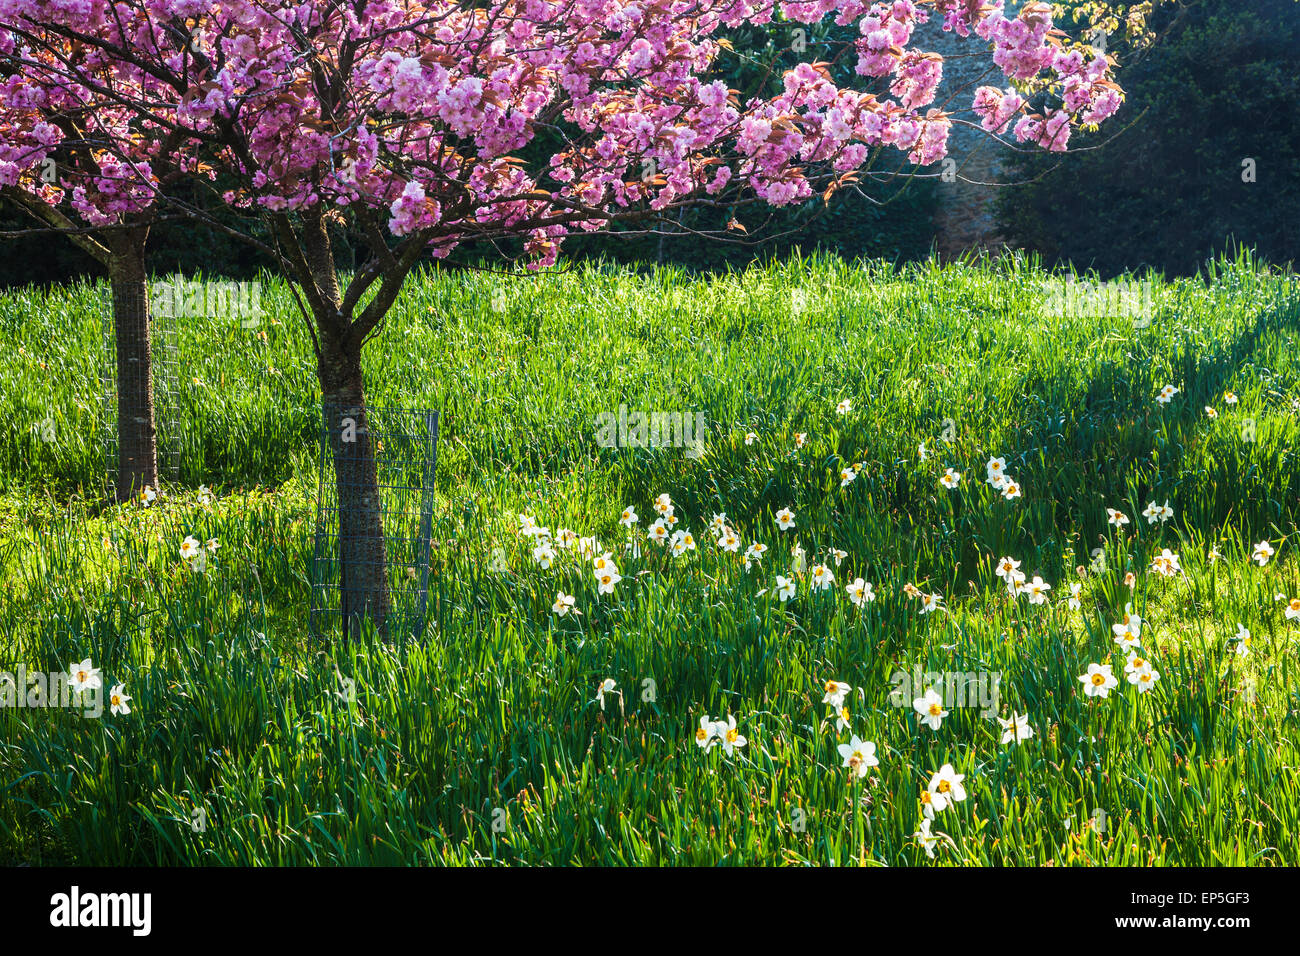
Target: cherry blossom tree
83 166
427 125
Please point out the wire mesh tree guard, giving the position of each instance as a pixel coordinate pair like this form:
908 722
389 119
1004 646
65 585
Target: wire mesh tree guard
370 558
154 383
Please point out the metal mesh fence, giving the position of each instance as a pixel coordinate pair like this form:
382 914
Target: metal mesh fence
131 377
374 516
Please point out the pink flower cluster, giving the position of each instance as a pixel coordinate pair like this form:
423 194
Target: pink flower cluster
421 111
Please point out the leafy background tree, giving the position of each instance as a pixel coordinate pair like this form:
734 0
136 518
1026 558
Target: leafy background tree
1219 87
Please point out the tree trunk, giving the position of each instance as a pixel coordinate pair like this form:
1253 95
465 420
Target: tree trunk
137 439
363 556
362 552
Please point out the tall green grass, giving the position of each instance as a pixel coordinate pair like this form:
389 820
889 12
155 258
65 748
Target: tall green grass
484 742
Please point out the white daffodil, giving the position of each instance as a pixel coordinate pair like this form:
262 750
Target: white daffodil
750 438
563 604
951 479
1166 394
1015 728
607 581
800 439
1010 490
118 700
858 755
729 541
1116 518
996 470
836 691
1243 641
658 532
1292 611
1263 551
930 708
1144 679
927 839
785 519
544 555
798 558
730 736
754 554
861 592
1135 663
838 556
147 496
205 498
628 518
1074 603
844 407
189 549
1006 569
822 578
785 588
1037 590
930 603
1166 564
842 720
84 677
707 732
1098 681
945 788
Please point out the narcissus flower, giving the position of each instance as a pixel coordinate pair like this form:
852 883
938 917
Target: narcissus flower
1098 681
1015 728
1010 490
1006 569
563 604
997 474
822 578
945 788
544 554
1037 590
836 691
1243 641
1144 679
861 592
931 602
785 588
189 549
846 477
628 518
750 438
118 699
1292 611
785 519
730 736
1154 512
658 532
706 733
1166 394
604 687
1263 551
859 756
844 407
1116 518
664 504
800 439
930 709
84 677
1074 603
147 496
927 839
951 479
1166 564
1230 398
607 581
754 553
729 541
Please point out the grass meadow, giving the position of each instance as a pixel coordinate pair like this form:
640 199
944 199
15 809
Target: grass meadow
489 740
